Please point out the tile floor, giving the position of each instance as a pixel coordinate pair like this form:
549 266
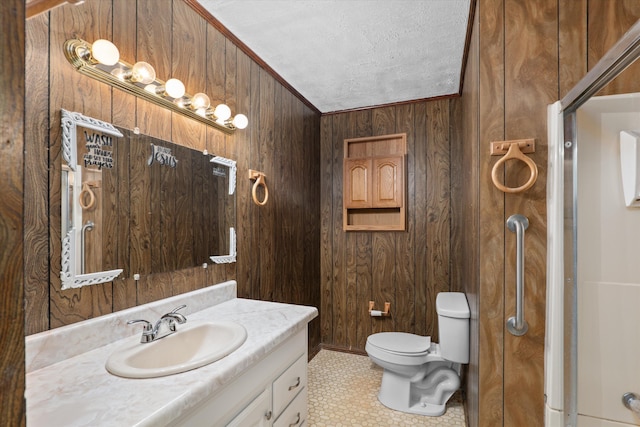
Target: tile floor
343 391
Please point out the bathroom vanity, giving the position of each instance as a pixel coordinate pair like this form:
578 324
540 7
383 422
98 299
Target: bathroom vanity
263 382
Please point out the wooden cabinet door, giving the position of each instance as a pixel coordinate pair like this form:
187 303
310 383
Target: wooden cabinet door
357 183
388 182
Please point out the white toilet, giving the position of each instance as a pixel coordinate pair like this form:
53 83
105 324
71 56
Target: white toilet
419 376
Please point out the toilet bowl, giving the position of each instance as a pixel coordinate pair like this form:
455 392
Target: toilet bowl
420 376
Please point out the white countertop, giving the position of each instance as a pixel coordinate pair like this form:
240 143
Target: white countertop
67 389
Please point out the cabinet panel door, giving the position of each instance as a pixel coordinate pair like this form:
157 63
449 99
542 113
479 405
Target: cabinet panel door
388 182
357 183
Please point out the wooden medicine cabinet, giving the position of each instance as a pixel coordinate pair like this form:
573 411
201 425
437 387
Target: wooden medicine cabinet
374 183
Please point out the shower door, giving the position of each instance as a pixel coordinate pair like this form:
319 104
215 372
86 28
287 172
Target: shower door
592 346
608 266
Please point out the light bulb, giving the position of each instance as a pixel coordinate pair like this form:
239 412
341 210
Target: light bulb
222 112
119 73
240 121
143 72
200 100
174 88
105 52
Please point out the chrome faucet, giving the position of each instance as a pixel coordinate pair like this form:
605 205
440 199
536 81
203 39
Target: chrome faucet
163 327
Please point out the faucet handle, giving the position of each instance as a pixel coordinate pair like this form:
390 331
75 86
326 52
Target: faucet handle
147 331
174 316
175 310
148 327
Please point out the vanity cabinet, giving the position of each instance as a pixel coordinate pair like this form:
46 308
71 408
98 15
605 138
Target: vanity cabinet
374 183
273 392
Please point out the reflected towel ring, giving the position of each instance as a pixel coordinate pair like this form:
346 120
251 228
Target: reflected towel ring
87 191
515 153
260 181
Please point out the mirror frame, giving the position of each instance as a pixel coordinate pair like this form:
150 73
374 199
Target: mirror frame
233 169
70 273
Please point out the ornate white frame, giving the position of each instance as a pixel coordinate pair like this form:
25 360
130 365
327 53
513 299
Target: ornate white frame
70 274
232 165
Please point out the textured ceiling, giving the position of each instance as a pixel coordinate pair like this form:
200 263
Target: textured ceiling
349 54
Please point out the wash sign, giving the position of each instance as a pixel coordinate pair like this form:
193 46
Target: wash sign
96 154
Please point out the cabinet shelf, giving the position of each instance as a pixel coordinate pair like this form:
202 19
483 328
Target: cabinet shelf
374 183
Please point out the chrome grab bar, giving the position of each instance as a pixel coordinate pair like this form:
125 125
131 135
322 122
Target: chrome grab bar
88 226
517 325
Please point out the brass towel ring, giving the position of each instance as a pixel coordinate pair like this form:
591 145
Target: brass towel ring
515 153
87 192
260 181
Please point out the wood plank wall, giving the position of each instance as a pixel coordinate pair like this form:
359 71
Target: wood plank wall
523 56
12 190
278 244
406 268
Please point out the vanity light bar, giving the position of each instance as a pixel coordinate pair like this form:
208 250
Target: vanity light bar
102 62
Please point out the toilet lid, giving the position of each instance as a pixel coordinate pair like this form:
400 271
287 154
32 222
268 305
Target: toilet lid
400 342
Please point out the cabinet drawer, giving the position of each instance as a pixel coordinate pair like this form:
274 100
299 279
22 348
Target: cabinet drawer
289 384
296 414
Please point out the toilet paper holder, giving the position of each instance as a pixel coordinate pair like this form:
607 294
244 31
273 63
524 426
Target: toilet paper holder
378 313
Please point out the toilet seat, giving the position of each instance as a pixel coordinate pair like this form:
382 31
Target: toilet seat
401 343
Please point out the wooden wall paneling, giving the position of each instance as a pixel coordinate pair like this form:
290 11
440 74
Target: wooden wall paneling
265 238
572 44
404 313
153 36
158 206
230 85
247 213
339 292
531 76
278 276
36 140
361 248
420 205
438 208
231 72
215 85
12 209
607 22
384 243
327 228
189 56
123 114
357 314
124 287
215 71
242 142
298 177
183 197
491 214
140 227
92 98
465 182
312 248
200 206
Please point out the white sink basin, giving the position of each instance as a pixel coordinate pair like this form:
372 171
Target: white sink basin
195 344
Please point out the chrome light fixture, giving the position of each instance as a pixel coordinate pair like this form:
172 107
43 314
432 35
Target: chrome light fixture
101 61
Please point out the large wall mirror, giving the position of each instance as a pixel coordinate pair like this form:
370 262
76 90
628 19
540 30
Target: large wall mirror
134 205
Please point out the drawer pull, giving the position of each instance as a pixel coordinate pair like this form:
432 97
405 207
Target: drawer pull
296 422
268 415
296 385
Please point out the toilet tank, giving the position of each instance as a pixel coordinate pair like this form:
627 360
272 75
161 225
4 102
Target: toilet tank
453 326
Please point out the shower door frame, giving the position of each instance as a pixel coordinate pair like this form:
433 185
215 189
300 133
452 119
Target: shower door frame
617 59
